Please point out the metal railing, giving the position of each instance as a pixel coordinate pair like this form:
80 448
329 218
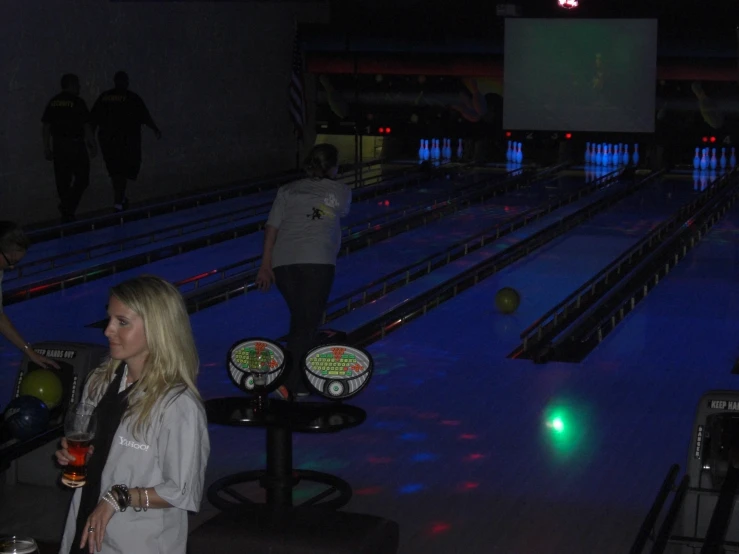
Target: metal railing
590 328
73 278
240 283
577 301
181 230
243 282
394 280
174 203
402 314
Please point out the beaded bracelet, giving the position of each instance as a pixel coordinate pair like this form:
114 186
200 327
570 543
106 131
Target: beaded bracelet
110 500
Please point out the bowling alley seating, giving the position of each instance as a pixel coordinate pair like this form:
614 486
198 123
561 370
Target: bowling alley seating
294 531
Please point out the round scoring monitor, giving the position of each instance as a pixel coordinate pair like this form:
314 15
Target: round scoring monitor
338 371
255 364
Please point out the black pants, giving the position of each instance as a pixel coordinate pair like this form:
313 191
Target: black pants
305 288
72 174
122 155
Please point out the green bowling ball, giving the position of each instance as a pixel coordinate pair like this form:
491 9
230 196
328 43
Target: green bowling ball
507 300
45 385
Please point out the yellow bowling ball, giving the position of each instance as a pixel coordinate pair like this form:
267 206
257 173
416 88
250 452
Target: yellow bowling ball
45 385
507 300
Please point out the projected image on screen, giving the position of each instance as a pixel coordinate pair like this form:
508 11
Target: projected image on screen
580 75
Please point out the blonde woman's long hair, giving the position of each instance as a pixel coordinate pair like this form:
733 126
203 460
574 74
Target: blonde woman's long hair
173 359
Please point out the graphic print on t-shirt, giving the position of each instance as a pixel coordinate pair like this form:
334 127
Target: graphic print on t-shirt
317 214
327 209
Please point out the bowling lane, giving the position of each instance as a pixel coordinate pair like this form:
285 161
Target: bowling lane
62 315
49 248
267 315
458 435
445 397
680 342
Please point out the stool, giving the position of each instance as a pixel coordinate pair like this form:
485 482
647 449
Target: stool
294 531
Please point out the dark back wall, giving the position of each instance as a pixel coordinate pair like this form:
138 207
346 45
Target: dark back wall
214 76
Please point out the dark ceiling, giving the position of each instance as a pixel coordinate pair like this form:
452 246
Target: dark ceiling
475 18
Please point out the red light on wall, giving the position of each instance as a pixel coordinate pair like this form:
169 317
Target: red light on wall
705 139
508 134
568 4
388 130
381 130
568 136
713 139
439 527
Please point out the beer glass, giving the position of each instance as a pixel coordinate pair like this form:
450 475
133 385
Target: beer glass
79 430
18 545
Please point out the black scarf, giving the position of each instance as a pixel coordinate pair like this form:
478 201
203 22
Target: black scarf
109 413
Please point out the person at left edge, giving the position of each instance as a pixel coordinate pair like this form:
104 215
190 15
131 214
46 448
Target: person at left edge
13 246
69 143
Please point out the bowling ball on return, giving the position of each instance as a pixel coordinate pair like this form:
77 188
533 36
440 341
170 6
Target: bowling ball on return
507 300
26 416
45 385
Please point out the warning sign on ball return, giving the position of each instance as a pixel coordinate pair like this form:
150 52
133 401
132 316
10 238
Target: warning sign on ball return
59 354
728 405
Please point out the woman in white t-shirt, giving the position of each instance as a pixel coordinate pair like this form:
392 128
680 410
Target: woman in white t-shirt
301 243
151 448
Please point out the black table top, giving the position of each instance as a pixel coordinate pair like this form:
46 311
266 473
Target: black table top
301 417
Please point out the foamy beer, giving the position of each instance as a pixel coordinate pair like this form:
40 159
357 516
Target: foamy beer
79 430
17 545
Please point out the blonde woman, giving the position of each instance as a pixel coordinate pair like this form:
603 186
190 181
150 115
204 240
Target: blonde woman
151 448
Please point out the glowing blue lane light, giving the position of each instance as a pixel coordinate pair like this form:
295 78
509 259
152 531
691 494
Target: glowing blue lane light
411 488
413 437
424 457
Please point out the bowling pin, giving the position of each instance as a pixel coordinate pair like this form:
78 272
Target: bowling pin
426 152
732 160
625 158
704 160
606 156
509 153
598 155
519 153
459 149
697 159
587 153
420 151
722 161
714 161
635 157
